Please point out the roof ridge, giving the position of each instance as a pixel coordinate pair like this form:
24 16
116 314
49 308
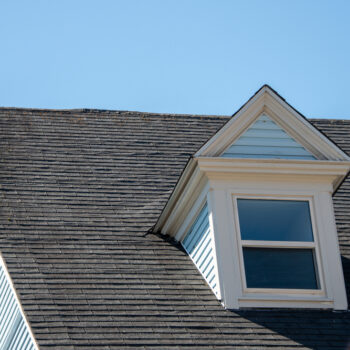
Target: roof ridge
329 119
104 111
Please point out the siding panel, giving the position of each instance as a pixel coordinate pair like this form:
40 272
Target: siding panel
199 246
14 334
266 139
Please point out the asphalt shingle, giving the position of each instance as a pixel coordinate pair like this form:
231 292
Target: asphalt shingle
80 190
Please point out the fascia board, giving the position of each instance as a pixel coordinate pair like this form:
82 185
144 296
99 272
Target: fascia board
179 205
233 128
9 279
293 127
198 170
266 100
182 182
189 214
336 169
184 204
301 129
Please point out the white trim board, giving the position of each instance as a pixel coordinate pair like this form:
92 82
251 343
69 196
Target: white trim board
332 292
293 123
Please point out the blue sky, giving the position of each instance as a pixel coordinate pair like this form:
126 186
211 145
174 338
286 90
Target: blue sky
175 56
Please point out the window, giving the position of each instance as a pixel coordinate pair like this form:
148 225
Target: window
278 244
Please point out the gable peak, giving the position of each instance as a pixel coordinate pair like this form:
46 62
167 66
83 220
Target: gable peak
267 101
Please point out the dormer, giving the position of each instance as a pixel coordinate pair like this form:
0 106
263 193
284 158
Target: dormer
253 209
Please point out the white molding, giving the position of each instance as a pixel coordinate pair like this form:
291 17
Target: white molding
267 101
273 165
214 242
331 294
277 244
291 303
13 289
224 240
182 182
191 192
191 215
253 107
310 135
275 293
329 171
290 128
334 273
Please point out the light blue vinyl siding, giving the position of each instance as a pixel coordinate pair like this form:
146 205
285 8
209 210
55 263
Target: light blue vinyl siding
265 139
200 247
14 334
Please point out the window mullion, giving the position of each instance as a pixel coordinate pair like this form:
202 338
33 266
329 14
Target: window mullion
277 244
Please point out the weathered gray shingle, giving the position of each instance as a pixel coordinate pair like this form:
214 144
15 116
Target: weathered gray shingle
80 191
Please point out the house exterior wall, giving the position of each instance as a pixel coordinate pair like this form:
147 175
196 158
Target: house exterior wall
198 243
265 139
14 332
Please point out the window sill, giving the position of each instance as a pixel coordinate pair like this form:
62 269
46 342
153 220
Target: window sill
291 302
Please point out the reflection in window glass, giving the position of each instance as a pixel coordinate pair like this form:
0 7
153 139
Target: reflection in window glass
275 220
280 268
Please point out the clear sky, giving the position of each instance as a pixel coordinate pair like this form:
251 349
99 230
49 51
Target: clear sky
175 56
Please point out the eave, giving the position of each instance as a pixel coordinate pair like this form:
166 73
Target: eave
336 170
194 183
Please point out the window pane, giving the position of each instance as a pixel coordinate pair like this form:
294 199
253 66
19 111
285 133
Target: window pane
274 220
280 268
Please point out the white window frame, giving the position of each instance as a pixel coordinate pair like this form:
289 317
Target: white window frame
235 295
280 244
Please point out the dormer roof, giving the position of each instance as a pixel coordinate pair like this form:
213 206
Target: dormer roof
268 103
288 144
268 156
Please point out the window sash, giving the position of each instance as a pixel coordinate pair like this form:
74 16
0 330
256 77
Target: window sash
288 272
279 244
275 219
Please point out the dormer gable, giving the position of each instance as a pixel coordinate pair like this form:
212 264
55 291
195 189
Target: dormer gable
268 162
266 139
268 106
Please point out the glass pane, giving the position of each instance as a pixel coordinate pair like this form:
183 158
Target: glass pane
280 268
274 220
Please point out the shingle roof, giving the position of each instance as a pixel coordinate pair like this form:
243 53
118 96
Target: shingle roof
80 190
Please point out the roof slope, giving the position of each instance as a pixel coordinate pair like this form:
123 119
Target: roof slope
79 192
